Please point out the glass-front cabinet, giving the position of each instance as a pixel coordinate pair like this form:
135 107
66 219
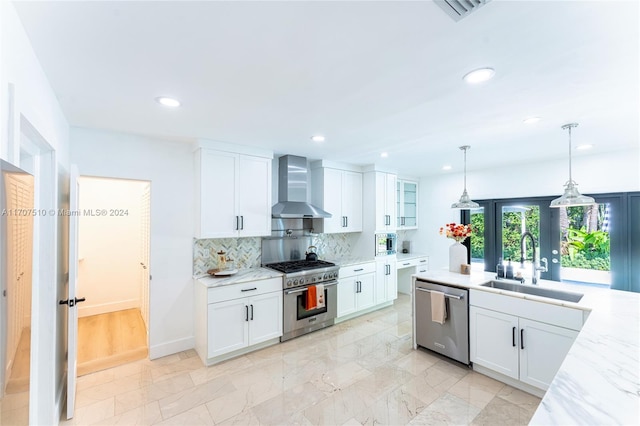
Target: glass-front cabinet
407 204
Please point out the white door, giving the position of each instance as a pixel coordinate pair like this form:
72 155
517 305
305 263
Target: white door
542 349
265 317
254 195
352 201
494 339
390 200
347 288
332 188
218 194
72 312
227 326
367 291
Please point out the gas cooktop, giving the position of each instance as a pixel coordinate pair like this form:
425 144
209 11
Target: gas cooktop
293 266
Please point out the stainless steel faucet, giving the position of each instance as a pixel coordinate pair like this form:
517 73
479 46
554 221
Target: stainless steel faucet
535 263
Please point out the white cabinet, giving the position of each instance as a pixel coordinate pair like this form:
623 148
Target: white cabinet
233 193
407 204
525 349
356 288
386 279
238 316
408 267
385 201
339 192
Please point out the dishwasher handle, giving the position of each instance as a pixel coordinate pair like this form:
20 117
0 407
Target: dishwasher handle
450 296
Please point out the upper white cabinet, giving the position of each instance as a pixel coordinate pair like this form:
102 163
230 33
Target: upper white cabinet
407 204
380 197
233 193
339 192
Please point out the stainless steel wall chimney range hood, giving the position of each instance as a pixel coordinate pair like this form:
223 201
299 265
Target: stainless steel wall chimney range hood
292 191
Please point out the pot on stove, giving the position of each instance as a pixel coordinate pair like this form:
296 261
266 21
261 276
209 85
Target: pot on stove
311 254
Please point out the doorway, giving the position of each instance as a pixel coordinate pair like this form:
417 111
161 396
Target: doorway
113 272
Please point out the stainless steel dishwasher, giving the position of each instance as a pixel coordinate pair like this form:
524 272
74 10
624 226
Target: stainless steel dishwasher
451 338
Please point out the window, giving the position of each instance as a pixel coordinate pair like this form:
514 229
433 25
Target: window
583 245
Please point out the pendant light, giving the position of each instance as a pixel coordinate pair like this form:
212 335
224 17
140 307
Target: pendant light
571 196
465 202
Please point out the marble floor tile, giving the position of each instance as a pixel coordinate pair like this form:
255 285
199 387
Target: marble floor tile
398 407
501 412
195 396
476 389
287 407
446 410
195 416
92 413
145 415
153 392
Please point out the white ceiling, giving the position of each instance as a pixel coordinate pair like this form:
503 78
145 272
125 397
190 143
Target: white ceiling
370 76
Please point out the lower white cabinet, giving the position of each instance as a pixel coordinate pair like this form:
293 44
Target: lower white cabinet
356 288
523 349
238 316
386 279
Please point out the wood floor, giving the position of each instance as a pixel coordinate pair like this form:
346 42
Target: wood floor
111 339
19 380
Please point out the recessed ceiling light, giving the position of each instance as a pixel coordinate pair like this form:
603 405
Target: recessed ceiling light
531 120
446 167
584 147
317 138
479 75
170 102
384 154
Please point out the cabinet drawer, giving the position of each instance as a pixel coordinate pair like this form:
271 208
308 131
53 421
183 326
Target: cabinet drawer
248 289
539 311
362 268
407 263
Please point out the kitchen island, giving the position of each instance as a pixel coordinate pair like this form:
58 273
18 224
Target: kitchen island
599 380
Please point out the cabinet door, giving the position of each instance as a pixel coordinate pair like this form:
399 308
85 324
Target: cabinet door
391 290
382 218
347 288
409 204
254 195
367 294
218 195
265 317
542 350
352 201
332 193
227 327
390 200
494 338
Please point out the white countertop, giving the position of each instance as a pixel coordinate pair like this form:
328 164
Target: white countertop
243 275
599 380
409 256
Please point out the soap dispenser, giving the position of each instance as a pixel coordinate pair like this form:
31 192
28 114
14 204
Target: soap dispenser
500 269
509 270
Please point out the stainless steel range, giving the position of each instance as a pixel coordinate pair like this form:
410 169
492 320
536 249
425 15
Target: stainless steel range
299 275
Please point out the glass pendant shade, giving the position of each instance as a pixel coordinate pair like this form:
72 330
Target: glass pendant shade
571 196
465 202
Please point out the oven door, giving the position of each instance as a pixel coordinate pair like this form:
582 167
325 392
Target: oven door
298 320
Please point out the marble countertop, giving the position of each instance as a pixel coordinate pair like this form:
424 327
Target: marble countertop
350 261
409 256
243 275
599 380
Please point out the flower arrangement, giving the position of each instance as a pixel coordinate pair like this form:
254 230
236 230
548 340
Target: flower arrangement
455 231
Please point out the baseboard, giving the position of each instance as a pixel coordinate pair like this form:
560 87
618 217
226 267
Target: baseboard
509 381
121 305
170 348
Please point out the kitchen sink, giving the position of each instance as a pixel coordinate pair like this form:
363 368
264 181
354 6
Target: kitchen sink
535 291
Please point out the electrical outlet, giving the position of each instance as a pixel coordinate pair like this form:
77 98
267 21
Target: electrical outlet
206 253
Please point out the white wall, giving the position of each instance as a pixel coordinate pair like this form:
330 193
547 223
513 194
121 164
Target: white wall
109 246
34 101
170 168
610 172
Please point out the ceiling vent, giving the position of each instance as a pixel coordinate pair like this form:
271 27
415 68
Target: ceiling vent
458 9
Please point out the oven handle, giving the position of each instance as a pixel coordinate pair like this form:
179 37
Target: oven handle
298 290
451 296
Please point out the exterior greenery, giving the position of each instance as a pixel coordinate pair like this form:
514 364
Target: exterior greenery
584 240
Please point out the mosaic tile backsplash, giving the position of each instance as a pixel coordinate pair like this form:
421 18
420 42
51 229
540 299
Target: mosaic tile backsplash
246 252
